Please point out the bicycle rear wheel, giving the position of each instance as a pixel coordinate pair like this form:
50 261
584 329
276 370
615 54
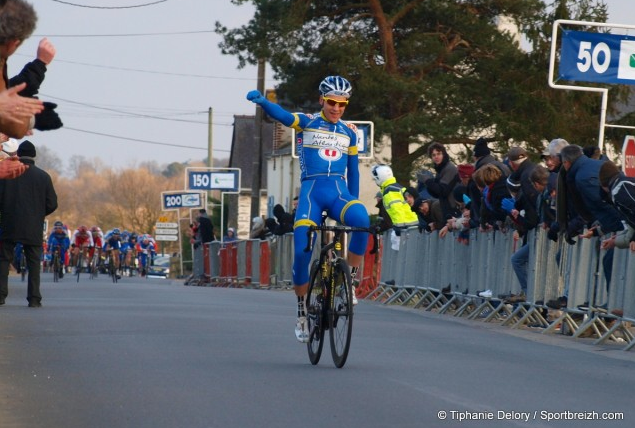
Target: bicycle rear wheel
315 314
93 266
23 266
341 313
112 268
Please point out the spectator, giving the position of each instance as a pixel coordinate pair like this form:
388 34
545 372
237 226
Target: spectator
385 223
410 194
579 203
258 229
24 203
522 209
551 155
15 109
33 75
447 176
472 193
545 208
295 207
205 227
592 152
230 235
493 186
620 191
9 148
430 213
462 223
483 156
17 22
284 221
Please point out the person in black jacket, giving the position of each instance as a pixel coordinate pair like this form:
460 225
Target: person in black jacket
24 203
205 227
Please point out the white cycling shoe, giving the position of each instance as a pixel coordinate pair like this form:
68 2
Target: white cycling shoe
354 296
302 330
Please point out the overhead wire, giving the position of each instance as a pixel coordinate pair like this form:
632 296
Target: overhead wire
109 7
134 114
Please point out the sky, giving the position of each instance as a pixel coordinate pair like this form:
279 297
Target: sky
132 85
135 83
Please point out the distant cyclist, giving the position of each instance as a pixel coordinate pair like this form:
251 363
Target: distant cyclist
327 147
146 252
112 243
98 241
82 240
59 240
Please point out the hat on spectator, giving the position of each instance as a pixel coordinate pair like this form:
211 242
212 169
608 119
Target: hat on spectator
10 146
465 170
516 153
418 203
26 148
379 195
480 148
555 146
412 192
513 184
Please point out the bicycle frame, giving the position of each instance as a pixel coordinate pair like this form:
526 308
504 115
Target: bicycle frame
329 298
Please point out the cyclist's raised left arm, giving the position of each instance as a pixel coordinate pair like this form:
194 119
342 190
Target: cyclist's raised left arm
274 110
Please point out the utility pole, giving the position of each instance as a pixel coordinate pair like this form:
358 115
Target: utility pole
257 160
210 151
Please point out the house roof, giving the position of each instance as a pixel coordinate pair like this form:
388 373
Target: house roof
244 153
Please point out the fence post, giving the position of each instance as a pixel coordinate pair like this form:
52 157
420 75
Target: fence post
265 267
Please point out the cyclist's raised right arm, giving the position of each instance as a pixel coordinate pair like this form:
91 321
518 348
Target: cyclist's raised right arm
273 109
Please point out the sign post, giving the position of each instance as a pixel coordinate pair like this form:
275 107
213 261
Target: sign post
628 156
596 57
174 200
226 180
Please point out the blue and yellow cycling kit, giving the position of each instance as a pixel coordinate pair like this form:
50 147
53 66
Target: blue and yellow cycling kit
329 173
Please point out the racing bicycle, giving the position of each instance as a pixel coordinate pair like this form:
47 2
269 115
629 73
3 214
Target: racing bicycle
330 298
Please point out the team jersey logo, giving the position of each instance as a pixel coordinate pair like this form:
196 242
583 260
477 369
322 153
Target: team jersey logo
330 154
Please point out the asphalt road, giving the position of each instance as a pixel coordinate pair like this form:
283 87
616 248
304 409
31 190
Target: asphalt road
154 353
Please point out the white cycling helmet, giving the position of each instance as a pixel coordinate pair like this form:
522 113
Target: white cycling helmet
381 173
335 85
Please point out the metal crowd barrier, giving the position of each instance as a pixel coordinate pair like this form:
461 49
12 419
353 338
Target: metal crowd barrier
442 275
473 281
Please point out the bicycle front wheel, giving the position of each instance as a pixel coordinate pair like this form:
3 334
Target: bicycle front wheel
80 260
23 267
341 312
315 314
56 267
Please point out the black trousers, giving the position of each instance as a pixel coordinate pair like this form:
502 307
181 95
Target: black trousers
33 253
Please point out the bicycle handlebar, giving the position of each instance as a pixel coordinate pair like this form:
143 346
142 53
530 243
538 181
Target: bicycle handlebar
373 230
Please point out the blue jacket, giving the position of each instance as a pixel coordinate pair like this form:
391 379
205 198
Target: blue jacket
583 186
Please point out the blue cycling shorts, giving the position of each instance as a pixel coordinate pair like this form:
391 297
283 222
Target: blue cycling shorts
330 195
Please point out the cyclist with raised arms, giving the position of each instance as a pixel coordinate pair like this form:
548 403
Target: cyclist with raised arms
327 148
